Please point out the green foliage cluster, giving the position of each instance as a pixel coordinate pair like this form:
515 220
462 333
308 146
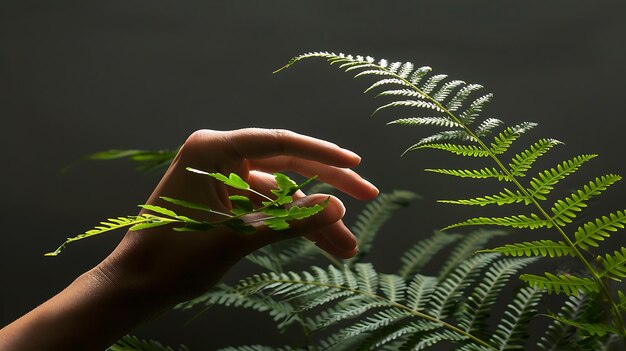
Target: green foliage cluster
276 215
457 107
351 305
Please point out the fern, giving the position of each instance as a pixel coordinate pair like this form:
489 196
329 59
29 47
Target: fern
451 106
276 216
132 343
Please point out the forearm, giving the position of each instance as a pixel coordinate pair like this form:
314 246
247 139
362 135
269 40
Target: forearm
90 314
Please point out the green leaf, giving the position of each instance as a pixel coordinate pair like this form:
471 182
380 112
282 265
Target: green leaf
565 283
186 204
241 204
591 232
425 121
599 329
473 173
566 209
462 150
505 139
280 217
545 248
544 182
147 225
107 226
505 197
614 265
519 221
522 162
160 210
232 180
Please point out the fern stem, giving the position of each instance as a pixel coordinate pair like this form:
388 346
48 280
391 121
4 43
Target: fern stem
615 312
393 304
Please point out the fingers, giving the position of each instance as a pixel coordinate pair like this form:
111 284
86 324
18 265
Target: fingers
324 228
346 180
254 143
334 237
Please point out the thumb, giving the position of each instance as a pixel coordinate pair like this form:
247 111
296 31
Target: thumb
333 212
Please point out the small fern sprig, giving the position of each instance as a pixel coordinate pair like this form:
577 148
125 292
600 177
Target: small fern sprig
415 89
276 215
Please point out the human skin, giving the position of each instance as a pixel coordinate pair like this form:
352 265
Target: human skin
153 269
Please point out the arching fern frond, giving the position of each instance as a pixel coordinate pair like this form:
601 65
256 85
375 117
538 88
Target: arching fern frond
522 162
532 221
545 248
545 181
462 150
473 316
591 232
566 209
374 216
415 258
511 332
426 121
483 173
562 283
133 343
505 197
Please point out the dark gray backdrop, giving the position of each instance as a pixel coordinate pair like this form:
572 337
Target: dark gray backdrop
80 76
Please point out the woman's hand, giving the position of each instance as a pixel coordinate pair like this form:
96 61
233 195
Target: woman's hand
153 269
181 265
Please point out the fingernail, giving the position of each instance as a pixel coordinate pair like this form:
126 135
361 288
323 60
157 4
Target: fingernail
352 153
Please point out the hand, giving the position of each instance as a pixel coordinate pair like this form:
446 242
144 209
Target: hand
177 266
154 268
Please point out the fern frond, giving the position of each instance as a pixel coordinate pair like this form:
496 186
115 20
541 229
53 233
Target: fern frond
467 247
281 312
393 332
447 89
392 287
143 221
419 291
422 252
426 121
375 215
614 265
457 101
559 335
423 341
505 139
487 126
133 343
545 248
591 232
522 162
401 92
374 322
544 183
565 283
505 197
431 83
449 290
564 210
472 316
510 333
259 348
462 150
468 116
519 221
405 103
483 173
599 329
446 135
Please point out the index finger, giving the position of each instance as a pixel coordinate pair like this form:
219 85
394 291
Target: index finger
255 143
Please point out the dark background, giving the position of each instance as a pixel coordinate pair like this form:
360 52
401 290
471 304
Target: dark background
82 76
